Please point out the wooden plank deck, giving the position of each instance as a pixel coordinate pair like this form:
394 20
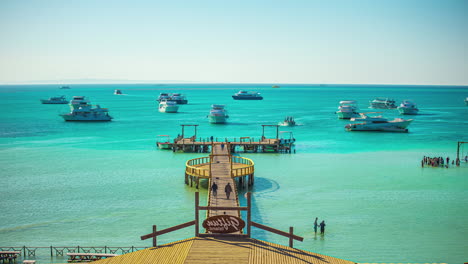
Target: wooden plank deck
221 174
222 251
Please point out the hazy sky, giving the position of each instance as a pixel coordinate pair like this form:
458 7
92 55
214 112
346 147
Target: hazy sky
380 42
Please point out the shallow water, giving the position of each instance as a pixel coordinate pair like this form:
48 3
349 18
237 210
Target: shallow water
96 184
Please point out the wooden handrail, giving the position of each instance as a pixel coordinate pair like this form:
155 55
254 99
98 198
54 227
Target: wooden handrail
276 231
239 208
167 230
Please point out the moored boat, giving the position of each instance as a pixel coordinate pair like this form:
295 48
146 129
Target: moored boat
117 91
466 101
176 97
288 121
164 142
408 107
244 95
378 123
383 103
65 87
218 114
347 109
55 100
168 107
82 110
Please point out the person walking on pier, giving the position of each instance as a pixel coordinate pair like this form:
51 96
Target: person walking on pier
228 190
315 225
214 188
322 227
222 146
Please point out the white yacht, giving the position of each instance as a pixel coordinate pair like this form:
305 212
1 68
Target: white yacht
244 95
176 97
82 110
179 98
55 100
408 107
117 91
168 106
378 123
163 96
347 110
383 103
218 114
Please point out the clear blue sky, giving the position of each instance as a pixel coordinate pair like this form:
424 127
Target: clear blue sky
380 42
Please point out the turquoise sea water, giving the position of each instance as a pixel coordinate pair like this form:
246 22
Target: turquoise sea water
96 184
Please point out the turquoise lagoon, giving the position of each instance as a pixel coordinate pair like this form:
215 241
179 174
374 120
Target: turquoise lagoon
105 184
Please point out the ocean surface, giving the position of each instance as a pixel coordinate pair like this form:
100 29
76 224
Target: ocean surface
106 184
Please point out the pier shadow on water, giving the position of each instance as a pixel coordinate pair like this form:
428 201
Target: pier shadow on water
262 187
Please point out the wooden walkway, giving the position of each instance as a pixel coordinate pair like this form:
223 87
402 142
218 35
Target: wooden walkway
198 250
221 174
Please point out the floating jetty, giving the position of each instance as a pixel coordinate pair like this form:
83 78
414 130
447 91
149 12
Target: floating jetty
282 143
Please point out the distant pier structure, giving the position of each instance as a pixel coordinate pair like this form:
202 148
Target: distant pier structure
282 143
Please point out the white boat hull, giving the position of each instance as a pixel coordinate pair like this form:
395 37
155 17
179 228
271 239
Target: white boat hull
89 118
169 109
408 111
217 119
346 115
386 127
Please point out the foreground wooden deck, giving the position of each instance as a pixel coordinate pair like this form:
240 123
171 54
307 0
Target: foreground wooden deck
198 250
221 174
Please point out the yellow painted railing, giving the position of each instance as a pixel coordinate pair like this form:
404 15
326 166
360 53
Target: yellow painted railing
200 167
193 167
248 169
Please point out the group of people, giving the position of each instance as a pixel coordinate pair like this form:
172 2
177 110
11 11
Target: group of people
227 189
321 225
438 162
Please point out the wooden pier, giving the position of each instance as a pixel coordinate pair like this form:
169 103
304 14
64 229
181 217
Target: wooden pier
279 144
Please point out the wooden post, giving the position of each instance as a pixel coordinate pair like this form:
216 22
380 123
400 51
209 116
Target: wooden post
197 200
183 131
458 150
291 233
155 242
249 214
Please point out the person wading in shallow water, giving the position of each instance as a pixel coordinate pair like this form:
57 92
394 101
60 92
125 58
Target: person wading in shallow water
315 225
322 227
228 190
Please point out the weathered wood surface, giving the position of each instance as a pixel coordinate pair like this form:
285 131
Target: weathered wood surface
222 251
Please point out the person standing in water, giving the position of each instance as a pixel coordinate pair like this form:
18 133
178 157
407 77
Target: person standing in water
322 227
315 225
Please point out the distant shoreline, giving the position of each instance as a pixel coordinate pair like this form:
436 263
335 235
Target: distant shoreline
281 85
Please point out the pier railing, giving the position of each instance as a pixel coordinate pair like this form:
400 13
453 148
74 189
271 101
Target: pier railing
247 170
27 251
193 167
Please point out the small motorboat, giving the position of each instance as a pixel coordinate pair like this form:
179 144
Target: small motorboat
164 142
117 91
288 121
